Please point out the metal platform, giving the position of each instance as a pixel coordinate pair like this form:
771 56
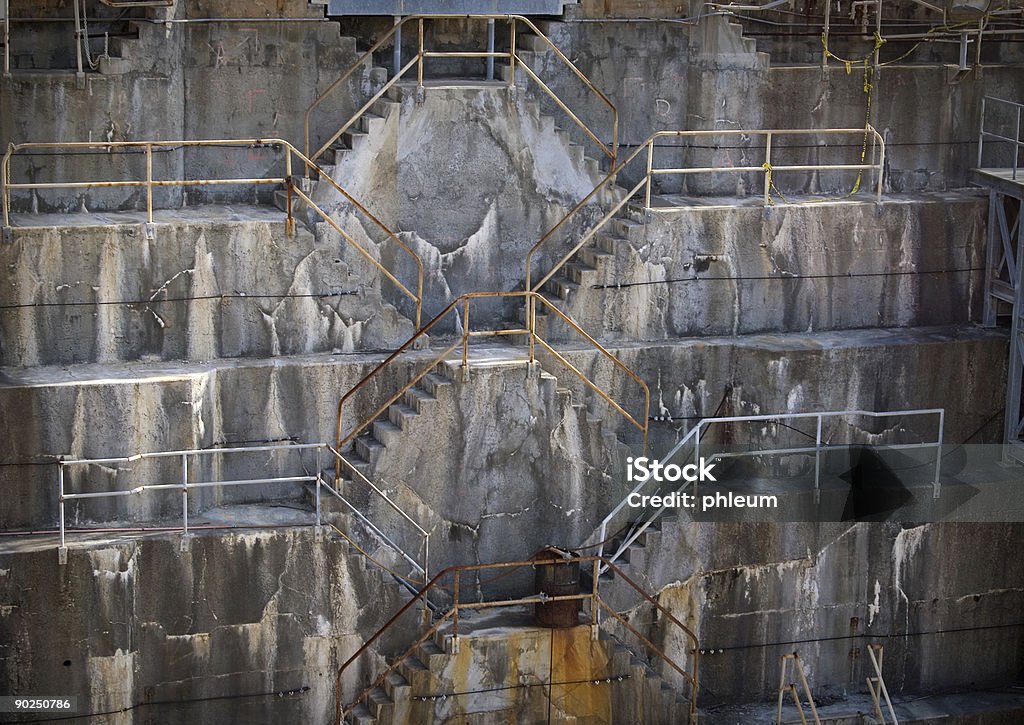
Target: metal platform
447 7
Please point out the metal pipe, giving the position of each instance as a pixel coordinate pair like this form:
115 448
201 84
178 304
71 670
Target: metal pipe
650 168
149 183
78 40
60 498
7 37
1016 149
490 49
512 55
420 55
397 52
465 338
981 130
184 493
767 168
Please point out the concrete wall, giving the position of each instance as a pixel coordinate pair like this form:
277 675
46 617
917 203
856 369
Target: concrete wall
758 591
530 436
908 262
141 631
474 177
233 288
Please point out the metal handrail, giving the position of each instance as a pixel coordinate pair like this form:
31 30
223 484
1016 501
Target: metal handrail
513 57
149 183
643 423
649 145
597 604
185 485
464 302
1017 140
693 438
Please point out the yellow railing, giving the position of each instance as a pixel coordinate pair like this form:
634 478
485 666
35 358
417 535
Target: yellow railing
448 583
646 150
149 183
609 149
463 304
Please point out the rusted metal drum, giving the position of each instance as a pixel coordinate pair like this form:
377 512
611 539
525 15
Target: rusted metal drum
557 580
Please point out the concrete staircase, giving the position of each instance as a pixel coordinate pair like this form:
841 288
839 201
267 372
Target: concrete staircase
524 669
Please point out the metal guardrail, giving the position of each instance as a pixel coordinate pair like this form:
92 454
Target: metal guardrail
393 36
150 183
613 523
646 151
597 605
419 562
463 304
1017 140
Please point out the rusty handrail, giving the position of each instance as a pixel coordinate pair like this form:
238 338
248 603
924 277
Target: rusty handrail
343 439
461 340
648 147
149 183
643 427
610 150
597 604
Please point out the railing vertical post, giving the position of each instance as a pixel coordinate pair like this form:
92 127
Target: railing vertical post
290 224
465 340
824 37
817 463
397 53
768 165
981 131
60 500
149 183
512 53
1016 146
531 323
650 169
319 479
595 608
455 613
78 40
419 56
938 454
881 169
7 37
490 49
878 36
184 493
5 182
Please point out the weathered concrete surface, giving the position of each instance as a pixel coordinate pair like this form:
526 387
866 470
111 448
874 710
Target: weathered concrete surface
233 286
473 177
186 81
757 591
912 261
485 431
214 634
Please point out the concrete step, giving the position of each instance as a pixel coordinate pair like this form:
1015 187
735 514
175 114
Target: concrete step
381 706
432 656
416 674
361 715
398 687
419 399
402 414
386 432
436 385
369 448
